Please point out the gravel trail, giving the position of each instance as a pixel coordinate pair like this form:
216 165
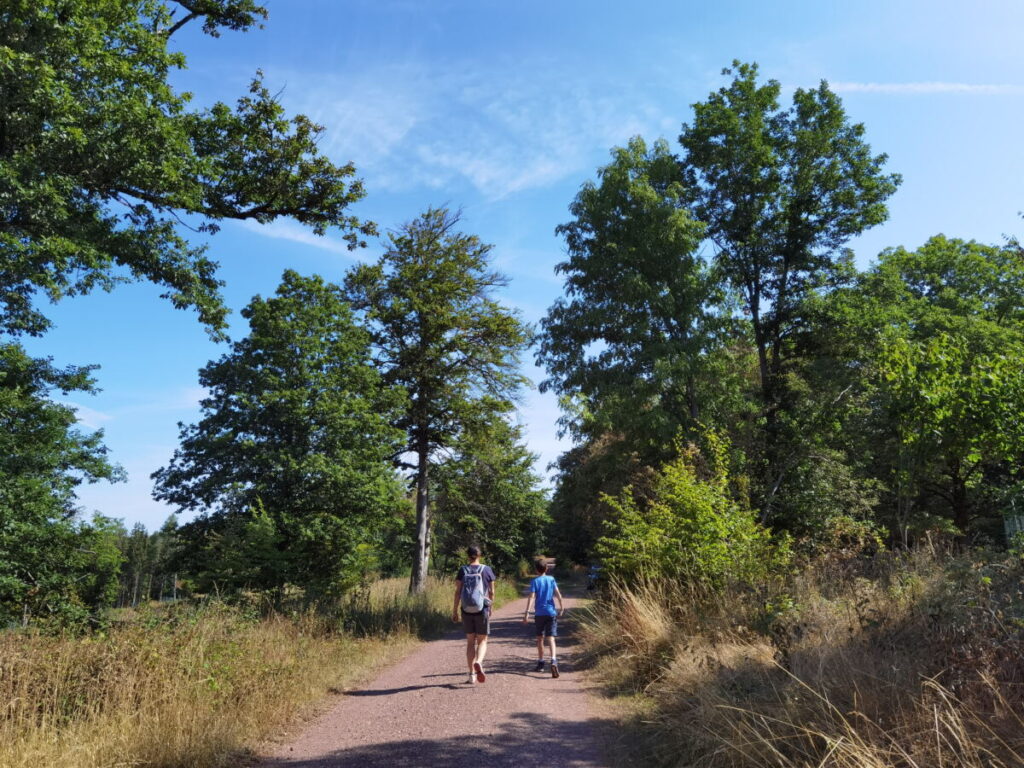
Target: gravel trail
420 711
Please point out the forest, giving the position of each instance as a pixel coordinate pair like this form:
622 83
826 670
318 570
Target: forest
794 473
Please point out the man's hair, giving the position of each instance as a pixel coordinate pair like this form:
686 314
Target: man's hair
540 565
473 551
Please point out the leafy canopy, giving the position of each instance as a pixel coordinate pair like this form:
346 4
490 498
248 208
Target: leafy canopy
633 335
488 493
102 161
294 445
51 563
691 528
442 339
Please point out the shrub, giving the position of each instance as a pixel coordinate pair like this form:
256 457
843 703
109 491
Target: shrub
691 528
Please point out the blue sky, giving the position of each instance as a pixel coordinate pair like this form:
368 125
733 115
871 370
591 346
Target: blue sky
504 109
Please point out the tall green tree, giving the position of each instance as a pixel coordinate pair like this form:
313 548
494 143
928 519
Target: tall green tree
48 556
634 340
441 337
781 191
295 442
488 493
937 335
102 159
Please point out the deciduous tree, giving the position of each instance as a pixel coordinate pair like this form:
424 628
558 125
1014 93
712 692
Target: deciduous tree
440 336
102 160
295 442
781 191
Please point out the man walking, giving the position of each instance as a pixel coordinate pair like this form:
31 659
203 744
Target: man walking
474 593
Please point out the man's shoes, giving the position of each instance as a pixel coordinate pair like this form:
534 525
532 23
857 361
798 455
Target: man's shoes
480 676
554 668
540 666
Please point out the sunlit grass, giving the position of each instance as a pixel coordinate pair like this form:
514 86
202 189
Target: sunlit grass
909 662
196 686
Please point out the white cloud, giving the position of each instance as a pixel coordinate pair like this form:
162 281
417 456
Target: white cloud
89 417
285 229
928 87
502 131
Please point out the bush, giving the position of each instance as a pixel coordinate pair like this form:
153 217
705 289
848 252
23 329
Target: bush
691 529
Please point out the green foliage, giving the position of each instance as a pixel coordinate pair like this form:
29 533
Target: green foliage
931 341
150 563
635 336
781 191
101 158
952 410
440 337
488 494
51 563
293 451
692 528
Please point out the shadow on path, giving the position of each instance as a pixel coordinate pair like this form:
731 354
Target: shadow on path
526 739
389 691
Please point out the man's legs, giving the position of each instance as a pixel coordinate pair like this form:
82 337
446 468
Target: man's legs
475 657
470 653
481 648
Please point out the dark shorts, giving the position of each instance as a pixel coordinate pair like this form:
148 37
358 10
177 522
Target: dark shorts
546 625
477 623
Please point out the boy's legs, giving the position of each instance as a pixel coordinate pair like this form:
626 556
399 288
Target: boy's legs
551 637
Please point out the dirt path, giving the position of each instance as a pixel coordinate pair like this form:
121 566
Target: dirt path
420 712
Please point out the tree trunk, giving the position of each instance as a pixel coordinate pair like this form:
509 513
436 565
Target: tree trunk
961 505
418 583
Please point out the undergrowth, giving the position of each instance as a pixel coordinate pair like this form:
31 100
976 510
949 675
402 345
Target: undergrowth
910 661
195 685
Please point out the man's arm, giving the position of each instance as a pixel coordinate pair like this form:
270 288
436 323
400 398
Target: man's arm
458 595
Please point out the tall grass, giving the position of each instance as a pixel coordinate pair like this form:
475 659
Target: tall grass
385 606
194 686
910 661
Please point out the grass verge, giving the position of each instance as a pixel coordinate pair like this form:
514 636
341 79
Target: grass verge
196 686
906 661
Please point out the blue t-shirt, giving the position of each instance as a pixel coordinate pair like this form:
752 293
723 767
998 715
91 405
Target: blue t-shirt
544 588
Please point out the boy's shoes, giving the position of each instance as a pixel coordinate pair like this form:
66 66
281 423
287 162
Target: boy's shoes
540 666
554 668
480 676
471 680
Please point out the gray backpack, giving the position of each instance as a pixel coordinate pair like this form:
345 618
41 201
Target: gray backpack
473 592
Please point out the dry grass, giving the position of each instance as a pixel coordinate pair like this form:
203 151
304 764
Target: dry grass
190 686
900 661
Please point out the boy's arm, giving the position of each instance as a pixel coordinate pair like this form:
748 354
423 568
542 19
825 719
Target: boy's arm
526 613
561 605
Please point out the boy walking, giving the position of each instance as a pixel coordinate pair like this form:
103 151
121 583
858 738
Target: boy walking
543 591
474 593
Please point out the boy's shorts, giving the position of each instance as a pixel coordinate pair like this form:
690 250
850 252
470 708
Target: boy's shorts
546 625
477 623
